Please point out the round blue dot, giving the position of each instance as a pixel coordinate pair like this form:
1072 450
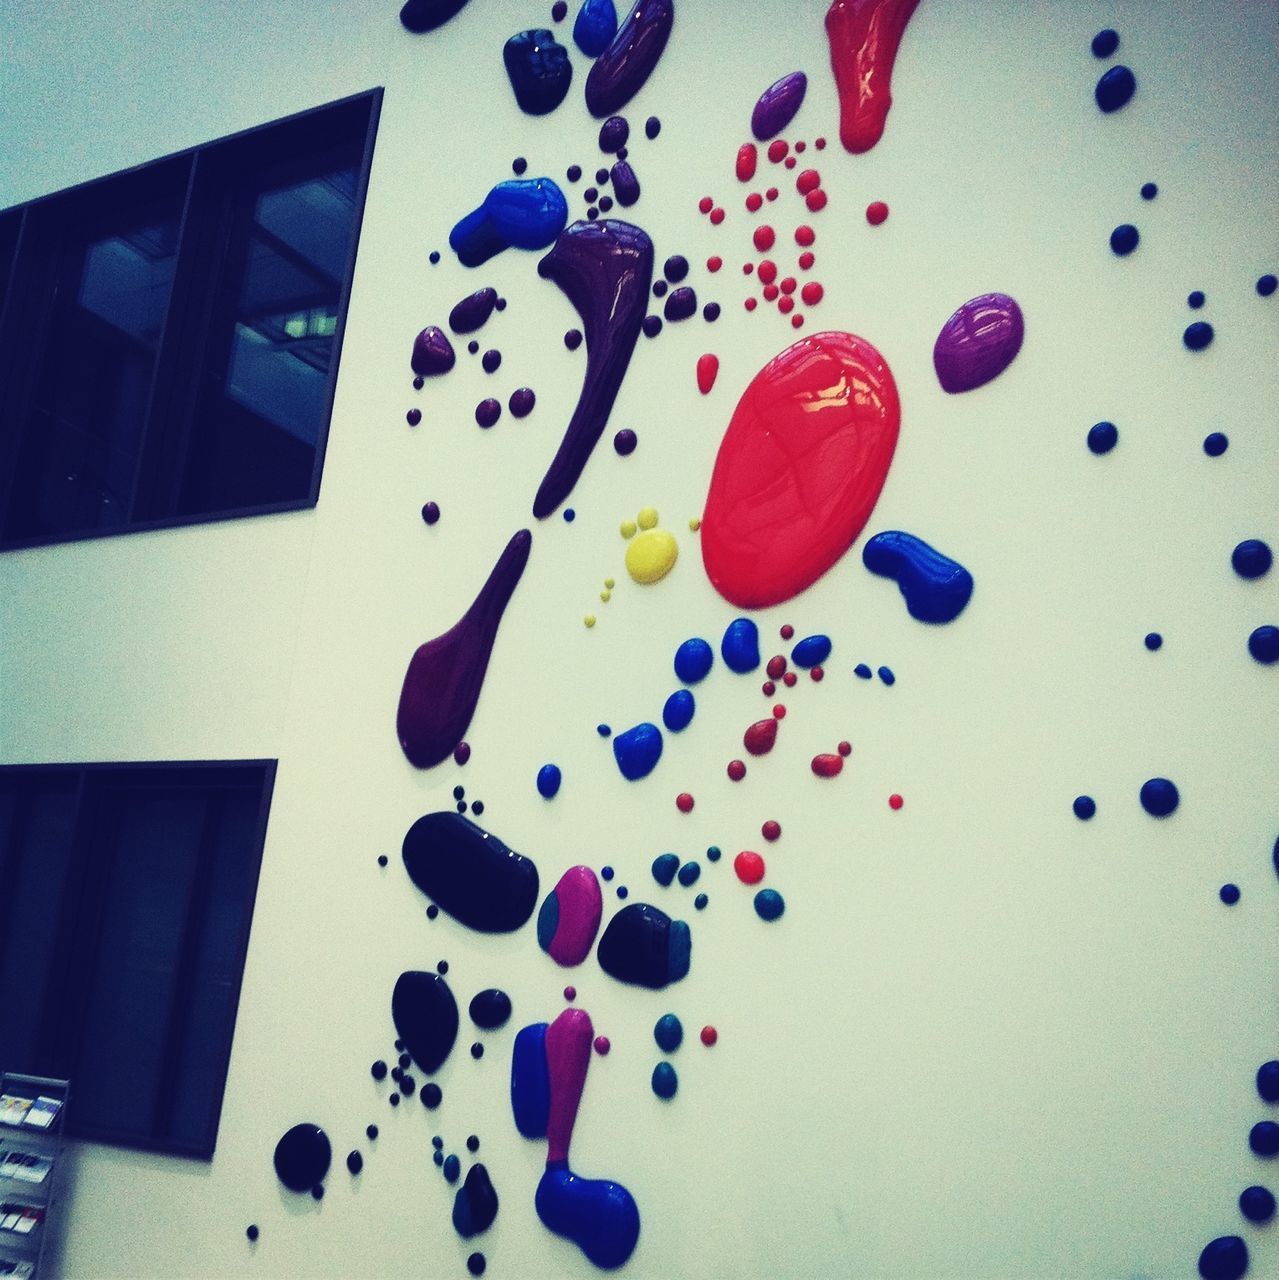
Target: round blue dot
1198 335
1257 1204
668 1032
1154 641
677 713
769 904
1263 1138
714 853
622 891
693 660
700 901
1084 807
1104 43
1251 558
1267 285
689 872
603 730
1225 1258
1102 437
664 867
1229 894
1263 644
1124 239
1268 1081
438 1157
665 1081
452 1167
1195 300
569 515
1159 797
548 780
1115 88
606 873
1216 443
1149 191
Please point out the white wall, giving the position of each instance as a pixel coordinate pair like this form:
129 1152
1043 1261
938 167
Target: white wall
985 1039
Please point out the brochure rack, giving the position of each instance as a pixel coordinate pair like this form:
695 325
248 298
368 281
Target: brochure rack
33 1113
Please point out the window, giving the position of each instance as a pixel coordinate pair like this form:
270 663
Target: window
169 336
124 921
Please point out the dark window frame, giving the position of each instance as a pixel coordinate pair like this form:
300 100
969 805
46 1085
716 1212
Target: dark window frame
33 234
80 916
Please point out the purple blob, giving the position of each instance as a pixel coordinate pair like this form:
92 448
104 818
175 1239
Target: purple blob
777 106
521 402
573 339
626 185
681 303
621 70
445 675
978 342
614 133
604 269
432 352
625 441
473 311
491 360
487 412
652 326
431 512
413 417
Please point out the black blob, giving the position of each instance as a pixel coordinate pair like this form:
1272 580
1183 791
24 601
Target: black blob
407 1085
1225 1258
459 793
302 1157
614 133
394 1099
437 1142
1123 239
478 807
539 70
432 1096
371 1133
477 1051
442 967
644 946
652 127
425 15
425 1015
652 326
1268 1080
1115 88
1263 1138
433 257
1104 43
675 268
475 1264
381 859
471 874
475 1205
419 382
379 1070
1257 1204
490 1009
574 173
472 1144
404 1060
354 1162
317 1191
1198 335
252 1231
518 165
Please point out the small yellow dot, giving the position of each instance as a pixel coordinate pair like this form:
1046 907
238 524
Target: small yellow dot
589 620
627 528
694 524
606 596
609 583
647 518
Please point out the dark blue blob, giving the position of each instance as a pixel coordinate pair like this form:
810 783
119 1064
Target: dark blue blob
530 1081
569 515
665 1081
689 873
452 1168
1266 285
1229 894
1102 437
1195 300
525 213
302 1157
1257 1204
652 127
548 780
622 891
1263 644
614 132
548 920
425 1016
475 1205
1124 239
700 902
886 675
1268 1080
1263 1138
1225 1258
425 15
1149 191
638 750
1198 335
1251 558
659 288
1115 88
1159 797
677 714
811 651
490 1009
740 646
603 730
1084 807
862 671
538 68
606 873
669 1033
595 27
1216 443
645 947
693 660
1104 43
599 1216
1153 641
438 1157
769 904
665 865
935 588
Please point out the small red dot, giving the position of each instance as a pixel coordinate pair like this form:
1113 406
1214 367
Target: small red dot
790 162
788 285
808 181
812 293
750 304
717 214
787 631
771 830
770 194
777 149
736 770
570 993
895 801
815 200
764 238
770 292
684 802
785 305
818 674
709 1036
797 321
845 748
767 271
769 688
779 711
754 201
706 204
806 260
789 679
804 234
876 212
749 867
602 1045
800 146
820 144
747 268
714 263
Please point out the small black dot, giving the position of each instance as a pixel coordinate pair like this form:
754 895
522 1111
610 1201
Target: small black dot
419 382
379 1070
432 1096
438 1157
437 1142
711 312
477 808
472 1144
434 256
475 1264
355 1162
432 911
442 968
652 127
622 153
395 1099
459 792
371 1133
317 1191
399 1046
407 1085
461 806
252 1231
592 213
473 346
381 859
397 1074
574 172
601 176
500 304
518 165
405 1061
477 1051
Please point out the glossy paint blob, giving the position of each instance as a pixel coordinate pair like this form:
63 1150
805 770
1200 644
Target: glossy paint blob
665 1081
570 917
420 16
530 1081
645 947
1225 1258
677 713
935 588
740 646
539 70
864 36
778 105
620 71
595 28
524 213
978 342
638 750
490 1009
1115 88
799 469
475 1205
470 314
1159 797
302 1157
432 352
425 1015
548 781
693 660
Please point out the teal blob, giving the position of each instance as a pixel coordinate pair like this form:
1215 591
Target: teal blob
769 904
669 1033
665 866
665 1081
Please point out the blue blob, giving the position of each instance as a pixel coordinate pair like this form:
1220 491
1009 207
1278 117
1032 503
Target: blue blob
689 873
525 213
1229 894
1216 443
1225 1258
452 1168
548 780
769 904
693 660
1084 807
1195 299
438 1157
1102 437
1159 797
622 891
862 671
598 1216
595 27
539 70
530 1081
1251 558
1257 1204
1104 43
1263 644
1263 1138
714 853
569 515
1124 239
665 865
677 714
886 675
935 588
811 651
740 646
606 873
669 1033
665 1081
1268 1081
638 750
1149 191
548 920
604 731
1267 284
1198 335
1115 88
700 902
1153 641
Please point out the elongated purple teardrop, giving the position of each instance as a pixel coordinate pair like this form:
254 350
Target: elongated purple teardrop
620 71
978 342
471 313
777 106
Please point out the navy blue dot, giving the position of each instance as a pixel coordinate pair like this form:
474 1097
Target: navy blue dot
1124 239
1257 1204
710 312
886 675
1159 797
1216 443
659 288
1268 1081
569 515
606 873
1251 558
652 326
714 853
1102 437
1084 807
434 257
700 902
622 891
1104 43
1195 300
689 873
1267 285
1149 191
1263 644
438 1157
862 671
1115 88
603 730
1229 894
574 173
1198 335
1263 1138
1225 1258
1154 641
437 1142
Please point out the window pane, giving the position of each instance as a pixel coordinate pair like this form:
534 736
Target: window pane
259 421
80 446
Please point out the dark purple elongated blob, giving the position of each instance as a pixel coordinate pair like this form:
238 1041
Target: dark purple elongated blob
604 268
626 185
620 71
445 675
778 105
425 15
471 313
425 1016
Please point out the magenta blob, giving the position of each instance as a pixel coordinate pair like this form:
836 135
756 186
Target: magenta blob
978 342
570 917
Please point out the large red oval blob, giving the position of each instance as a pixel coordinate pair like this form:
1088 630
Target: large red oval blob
799 469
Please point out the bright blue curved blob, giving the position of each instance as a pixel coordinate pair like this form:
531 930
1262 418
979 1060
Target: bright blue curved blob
530 1081
693 660
527 213
548 780
811 651
740 646
598 1216
935 588
638 750
595 27
677 714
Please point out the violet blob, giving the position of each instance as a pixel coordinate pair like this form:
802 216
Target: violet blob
471 313
432 352
978 342
621 70
680 303
420 16
778 105
626 185
614 133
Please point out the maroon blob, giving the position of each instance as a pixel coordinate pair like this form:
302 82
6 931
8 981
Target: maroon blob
521 402
487 412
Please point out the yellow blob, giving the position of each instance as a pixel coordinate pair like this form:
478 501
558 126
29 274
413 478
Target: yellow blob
694 524
589 620
609 583
606 596
647 518
652 555
628 528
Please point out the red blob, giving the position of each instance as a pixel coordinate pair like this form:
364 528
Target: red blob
790 162
602 1045
750 866
815 200
768 688
845 748
763 238
800 146
805 260
797 321
747 268
767 271
820 144
818 675
770 292
684 802
812 293
750 304
759 738
736 770
770 194
714 262
776 667
785 305
707 369
717 215
754 201
747 155
787 631
779 711
788 285
876 212
864 35
777 150
789 679
808 181
804 234
895 801
705 204
827 765
771 830
461 753
709 1036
